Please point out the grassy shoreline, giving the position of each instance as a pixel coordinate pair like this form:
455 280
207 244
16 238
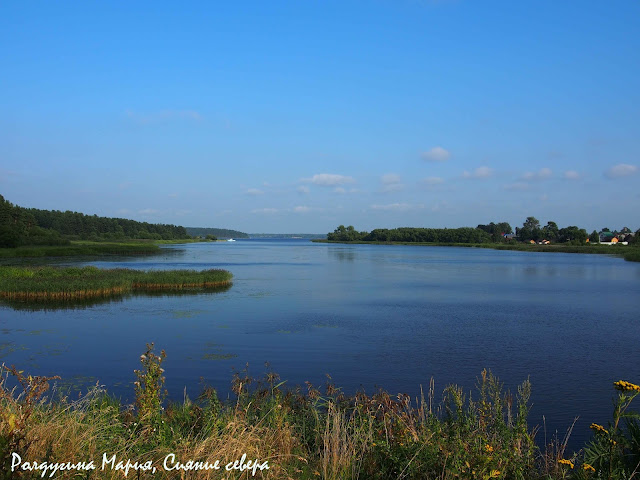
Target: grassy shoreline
90 248
77 283
304 433
629 253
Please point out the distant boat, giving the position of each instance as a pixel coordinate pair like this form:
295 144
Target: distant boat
230 240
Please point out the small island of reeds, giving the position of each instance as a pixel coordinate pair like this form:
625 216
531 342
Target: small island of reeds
48 283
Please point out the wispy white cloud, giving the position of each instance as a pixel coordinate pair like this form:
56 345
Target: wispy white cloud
163 116
432 181
391 182
390 178
572 175
478 173
302 209
436 154
329 179
621 170
542 174
340 190
173 195
397 207
265 211
254 192
303 189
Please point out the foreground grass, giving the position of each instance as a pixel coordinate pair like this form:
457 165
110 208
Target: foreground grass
75 283
630 253
301 433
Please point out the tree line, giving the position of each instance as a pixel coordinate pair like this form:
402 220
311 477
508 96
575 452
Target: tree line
31 226
408 234
215 232
500 232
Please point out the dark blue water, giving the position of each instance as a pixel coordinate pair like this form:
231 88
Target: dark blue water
371 316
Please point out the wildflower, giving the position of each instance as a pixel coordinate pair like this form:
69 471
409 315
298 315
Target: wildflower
598 428
626 386
562 461
143 357
494 473
588 468
488 448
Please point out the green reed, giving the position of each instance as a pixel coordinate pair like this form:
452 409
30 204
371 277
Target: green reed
62 283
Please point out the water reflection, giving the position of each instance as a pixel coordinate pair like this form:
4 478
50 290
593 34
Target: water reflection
343 254
86 303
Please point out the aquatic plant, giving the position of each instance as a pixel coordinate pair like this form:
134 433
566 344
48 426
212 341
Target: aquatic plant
74 283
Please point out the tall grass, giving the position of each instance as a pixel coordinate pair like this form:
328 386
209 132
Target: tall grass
75 283
305 433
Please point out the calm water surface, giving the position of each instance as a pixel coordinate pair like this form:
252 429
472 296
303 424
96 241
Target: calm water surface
371 316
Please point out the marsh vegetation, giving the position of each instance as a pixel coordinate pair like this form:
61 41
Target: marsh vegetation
308 432
48 283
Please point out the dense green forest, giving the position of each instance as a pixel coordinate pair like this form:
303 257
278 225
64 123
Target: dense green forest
31 226
407 234
531 231
216 232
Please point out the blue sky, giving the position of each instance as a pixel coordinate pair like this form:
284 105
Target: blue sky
299 116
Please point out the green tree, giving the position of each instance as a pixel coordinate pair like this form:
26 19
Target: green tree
550 231
530 230
572 234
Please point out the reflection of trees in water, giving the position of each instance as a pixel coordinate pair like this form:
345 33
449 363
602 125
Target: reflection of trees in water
81 304
343 254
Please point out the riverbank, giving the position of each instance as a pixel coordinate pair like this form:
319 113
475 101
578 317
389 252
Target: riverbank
89 248
77 283
629 253
297 433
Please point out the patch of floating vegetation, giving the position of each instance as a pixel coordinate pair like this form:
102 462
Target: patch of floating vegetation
218 356
7 348
63 284
216 352
186 313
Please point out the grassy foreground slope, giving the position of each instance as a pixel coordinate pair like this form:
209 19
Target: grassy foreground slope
279 433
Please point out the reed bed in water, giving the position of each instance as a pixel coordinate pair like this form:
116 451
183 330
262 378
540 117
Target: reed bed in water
73 283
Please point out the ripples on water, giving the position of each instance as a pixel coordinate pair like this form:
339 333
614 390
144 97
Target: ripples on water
371 316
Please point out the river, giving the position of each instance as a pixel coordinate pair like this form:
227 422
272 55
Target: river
369 315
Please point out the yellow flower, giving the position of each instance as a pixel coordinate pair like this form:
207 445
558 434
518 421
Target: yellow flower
598 428
626 386
494 473
566 462
588 468
488 448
